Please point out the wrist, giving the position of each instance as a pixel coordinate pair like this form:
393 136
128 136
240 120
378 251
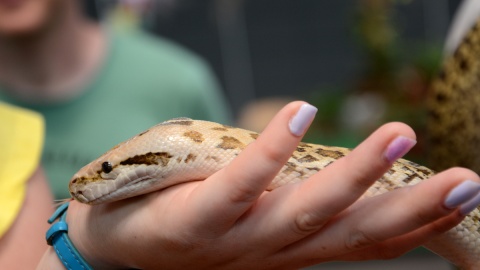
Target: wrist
50 261
93 242
57 237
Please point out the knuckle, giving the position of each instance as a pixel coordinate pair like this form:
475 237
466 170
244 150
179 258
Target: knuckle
361 177
243 193
358 240
425 216
275 155
306 224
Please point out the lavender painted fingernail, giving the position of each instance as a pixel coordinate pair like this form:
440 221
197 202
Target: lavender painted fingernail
398 148
301 120
462 194
470 205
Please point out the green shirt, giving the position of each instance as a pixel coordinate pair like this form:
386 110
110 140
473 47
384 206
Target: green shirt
145 80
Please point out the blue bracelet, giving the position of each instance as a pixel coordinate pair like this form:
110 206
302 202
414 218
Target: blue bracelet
57 236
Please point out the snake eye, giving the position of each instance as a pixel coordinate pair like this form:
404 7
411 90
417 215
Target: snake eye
107 167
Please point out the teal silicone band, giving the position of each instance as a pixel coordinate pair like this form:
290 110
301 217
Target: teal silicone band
57 237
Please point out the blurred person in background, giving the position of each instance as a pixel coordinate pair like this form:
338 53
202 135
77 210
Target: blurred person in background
95 87
25 198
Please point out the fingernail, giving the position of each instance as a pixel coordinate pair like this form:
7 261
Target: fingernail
398 148
302 119
470 205
462 194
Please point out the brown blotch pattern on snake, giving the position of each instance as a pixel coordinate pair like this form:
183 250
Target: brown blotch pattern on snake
254 135
220 129
329 153
190 158
194 136
229 142
159 158
307 158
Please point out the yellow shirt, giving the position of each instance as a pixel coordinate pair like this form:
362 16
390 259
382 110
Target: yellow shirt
21 140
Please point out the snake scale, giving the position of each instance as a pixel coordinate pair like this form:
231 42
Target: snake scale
183 150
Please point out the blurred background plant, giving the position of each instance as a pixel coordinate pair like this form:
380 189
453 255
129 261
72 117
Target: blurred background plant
392 85
361 62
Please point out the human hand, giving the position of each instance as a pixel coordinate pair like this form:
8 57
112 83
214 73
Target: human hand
229 221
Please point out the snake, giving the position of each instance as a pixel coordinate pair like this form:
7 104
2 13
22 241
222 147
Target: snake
453 105
182 150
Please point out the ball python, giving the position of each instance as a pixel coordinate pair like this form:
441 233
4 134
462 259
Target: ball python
453 103
183 149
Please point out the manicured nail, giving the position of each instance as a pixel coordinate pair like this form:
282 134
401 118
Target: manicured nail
470 205
462 193
398 148
302 119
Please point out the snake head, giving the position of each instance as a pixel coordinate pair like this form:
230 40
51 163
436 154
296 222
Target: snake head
172 152
111 178
133 167
94 180
113 175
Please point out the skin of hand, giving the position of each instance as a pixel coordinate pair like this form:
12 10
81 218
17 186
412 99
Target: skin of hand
229 221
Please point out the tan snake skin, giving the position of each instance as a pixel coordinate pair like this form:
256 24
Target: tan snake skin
182 150
453 103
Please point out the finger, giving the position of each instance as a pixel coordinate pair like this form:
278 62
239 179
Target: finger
397 246
406 209
310 204
403 214
229 193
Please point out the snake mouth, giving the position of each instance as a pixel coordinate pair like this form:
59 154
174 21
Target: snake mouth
124 190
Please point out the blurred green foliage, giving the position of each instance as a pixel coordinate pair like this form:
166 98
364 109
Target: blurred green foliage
397 70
